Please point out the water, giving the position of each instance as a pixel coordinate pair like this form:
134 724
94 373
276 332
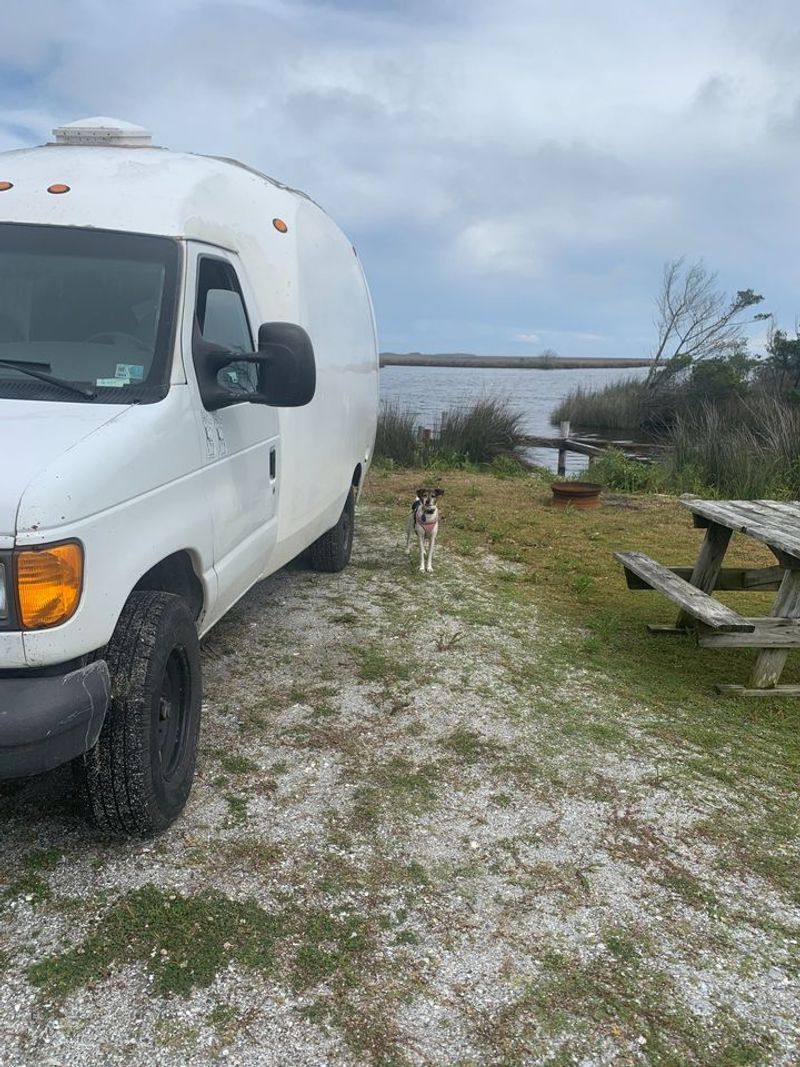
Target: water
427 391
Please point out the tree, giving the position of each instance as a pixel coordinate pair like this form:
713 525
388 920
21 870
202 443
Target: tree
782 365
696 320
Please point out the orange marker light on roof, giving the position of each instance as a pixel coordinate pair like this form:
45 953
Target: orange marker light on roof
6 185
280 225
59 187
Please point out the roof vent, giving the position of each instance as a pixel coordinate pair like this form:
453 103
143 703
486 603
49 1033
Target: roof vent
103 131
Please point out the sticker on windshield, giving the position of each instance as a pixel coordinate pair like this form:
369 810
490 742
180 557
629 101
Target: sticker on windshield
134 372
112 383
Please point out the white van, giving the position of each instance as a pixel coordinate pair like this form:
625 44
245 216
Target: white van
188 400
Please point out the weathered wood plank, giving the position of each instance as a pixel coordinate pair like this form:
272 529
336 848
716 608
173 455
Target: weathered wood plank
770 662
743 516
744 691
759 512
562 443
695 603
786 510
768 633
753 579
709 563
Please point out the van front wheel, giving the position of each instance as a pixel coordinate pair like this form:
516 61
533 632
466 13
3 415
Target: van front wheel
138 776
331 552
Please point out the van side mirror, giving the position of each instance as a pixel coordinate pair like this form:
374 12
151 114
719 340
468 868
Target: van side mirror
288 376
285 359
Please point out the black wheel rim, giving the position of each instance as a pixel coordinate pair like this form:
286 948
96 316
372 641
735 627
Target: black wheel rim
172 711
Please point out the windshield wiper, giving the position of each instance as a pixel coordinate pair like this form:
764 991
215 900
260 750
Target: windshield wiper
51 379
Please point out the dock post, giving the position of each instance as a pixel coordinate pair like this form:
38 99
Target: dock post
562 452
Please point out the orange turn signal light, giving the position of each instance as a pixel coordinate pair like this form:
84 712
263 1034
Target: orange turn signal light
280 225
49 584
59 187
6 185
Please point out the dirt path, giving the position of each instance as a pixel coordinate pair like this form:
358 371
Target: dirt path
417 836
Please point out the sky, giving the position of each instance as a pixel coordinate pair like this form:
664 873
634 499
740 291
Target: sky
514 174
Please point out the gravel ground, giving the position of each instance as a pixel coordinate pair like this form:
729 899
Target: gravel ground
463 847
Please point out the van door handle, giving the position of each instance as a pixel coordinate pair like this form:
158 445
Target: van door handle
273 463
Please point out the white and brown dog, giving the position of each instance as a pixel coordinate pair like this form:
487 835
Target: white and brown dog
424 522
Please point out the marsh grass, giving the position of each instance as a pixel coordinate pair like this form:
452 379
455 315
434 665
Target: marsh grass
618 406
485 432
480 432
747 449
744 448
396 440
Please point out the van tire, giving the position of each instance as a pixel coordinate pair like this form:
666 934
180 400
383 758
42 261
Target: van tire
137 778
331 552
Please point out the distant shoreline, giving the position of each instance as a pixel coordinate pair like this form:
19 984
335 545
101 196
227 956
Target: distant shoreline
418 359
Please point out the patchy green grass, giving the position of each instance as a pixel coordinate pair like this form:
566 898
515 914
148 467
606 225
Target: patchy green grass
375 664
31 888
504 827
565 567
469 746
237 809
633 999
183 941
235 763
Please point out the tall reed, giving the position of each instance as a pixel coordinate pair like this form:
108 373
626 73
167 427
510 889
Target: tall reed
745 449
396 439
478 432
618 406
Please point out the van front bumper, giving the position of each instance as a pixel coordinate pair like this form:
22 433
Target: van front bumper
47 720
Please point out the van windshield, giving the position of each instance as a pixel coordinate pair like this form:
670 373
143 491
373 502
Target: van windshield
90 307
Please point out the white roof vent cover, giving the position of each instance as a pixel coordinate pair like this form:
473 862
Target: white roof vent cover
103 131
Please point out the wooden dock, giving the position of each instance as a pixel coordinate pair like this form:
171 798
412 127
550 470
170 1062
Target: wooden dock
567 443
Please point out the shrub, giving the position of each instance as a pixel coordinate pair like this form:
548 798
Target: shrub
615 471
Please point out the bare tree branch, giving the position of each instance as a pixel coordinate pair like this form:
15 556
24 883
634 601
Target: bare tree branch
694 319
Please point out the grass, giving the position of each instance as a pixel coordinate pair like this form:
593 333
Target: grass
619 406
485 432
624 991
743 442
235 763
417 840
564 562
377 665
397 439
747 450
183 941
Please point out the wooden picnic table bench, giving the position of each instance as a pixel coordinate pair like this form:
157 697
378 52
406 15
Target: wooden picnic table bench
775 524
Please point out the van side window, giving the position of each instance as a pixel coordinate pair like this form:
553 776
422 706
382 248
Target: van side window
222 320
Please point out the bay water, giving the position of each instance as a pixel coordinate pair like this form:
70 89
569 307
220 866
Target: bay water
427 391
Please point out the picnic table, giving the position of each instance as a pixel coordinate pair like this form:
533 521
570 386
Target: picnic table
775 524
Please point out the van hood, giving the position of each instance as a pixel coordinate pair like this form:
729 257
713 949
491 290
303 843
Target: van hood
35 433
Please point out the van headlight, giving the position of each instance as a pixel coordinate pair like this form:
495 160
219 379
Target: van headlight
3 593
49 583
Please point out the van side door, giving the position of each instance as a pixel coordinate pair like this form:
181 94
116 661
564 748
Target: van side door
240 442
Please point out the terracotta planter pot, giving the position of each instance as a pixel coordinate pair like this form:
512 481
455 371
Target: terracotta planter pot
576 494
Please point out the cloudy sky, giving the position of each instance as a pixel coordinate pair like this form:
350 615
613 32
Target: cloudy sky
514 173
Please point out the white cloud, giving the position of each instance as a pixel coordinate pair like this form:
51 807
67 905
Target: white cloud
539 161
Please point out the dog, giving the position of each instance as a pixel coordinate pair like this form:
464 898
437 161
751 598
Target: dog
424 522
